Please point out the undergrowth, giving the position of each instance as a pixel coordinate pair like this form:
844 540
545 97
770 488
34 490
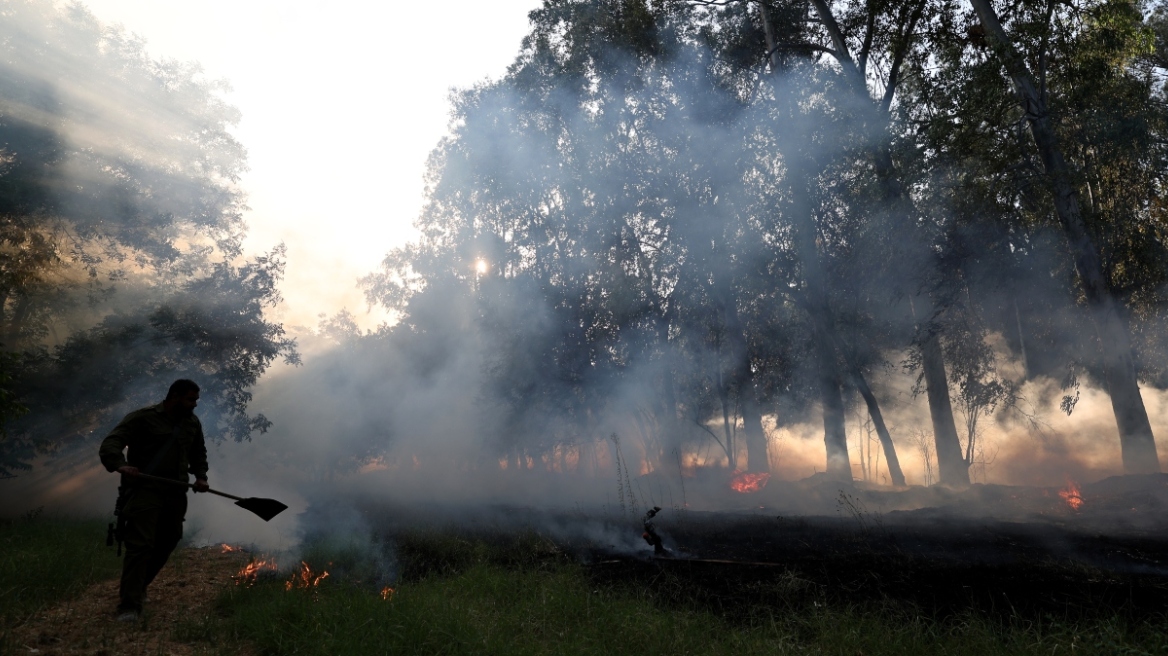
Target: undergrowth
521 595
45 559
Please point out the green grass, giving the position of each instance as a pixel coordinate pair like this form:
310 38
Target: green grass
461 596
519 594
45 559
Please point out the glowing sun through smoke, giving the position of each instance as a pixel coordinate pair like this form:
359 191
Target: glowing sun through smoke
481 267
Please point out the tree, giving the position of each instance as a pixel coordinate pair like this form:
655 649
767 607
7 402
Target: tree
120 231
1137 443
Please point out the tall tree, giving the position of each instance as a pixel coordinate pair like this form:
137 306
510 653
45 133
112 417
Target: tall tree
1137 444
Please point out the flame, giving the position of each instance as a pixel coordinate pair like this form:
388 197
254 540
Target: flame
253 569
230 549
305 578
387 593
746 482
1071 495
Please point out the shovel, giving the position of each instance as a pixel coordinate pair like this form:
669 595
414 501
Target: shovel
265 508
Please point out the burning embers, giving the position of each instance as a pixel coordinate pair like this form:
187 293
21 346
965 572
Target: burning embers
747 482
1071 495
227 548
304 578
387 593
253 569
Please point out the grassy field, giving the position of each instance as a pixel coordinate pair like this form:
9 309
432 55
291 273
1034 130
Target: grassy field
521 595
43 559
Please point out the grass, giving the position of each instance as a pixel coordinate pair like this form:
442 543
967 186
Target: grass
519 594
45 559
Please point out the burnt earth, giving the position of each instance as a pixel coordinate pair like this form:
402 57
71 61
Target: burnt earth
938 567
1006 552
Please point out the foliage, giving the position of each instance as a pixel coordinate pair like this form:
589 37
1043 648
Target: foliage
120 231
674 223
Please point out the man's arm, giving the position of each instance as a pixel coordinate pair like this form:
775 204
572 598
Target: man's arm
198 459
112 446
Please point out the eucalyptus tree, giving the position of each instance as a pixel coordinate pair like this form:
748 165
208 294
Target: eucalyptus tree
602 181
1075 116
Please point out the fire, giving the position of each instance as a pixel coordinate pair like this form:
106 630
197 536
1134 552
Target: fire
253 569
230 549
387 593
305 578
1071 495
746 482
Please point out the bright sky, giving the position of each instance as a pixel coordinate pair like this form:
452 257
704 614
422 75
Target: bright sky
342 102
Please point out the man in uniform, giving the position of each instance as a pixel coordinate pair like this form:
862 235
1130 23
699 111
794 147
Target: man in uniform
164 440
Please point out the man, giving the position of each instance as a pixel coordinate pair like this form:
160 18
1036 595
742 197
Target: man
164 440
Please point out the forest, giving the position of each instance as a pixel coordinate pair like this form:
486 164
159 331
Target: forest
679 226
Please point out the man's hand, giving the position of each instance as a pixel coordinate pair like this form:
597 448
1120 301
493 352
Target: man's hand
201 485
127 470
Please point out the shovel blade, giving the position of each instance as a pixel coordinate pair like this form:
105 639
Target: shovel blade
265 508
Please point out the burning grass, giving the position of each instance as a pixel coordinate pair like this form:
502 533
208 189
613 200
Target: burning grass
523 594
456 593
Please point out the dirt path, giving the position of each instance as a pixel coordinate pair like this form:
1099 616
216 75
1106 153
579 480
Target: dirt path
181 602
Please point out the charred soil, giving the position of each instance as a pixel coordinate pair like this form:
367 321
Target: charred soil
1005 553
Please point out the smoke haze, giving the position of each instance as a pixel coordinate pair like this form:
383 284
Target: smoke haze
454 405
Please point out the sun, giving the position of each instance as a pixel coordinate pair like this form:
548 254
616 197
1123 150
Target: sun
481 267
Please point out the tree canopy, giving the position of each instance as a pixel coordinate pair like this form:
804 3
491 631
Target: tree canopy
682 216
120 237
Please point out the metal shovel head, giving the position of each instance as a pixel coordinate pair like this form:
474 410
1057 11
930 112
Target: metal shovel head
265 508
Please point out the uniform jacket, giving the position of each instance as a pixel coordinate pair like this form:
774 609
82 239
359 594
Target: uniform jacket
143 433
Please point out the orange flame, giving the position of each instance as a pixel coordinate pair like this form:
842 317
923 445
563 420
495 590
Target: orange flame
305 578
387 593
253 569
230 549
1071 495
746 482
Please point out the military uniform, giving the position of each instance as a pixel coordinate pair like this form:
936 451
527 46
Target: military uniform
160 445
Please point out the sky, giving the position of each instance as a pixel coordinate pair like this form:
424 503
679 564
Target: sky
342 102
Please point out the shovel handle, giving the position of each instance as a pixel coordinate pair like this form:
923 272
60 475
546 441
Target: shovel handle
160 479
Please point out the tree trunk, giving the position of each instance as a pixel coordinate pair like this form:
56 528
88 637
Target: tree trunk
1137 444
835 437
893 463
951 466
727 430
743 381
757 459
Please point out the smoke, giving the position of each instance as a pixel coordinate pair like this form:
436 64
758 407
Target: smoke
502 387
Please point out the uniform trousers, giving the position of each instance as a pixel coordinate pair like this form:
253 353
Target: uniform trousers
154 526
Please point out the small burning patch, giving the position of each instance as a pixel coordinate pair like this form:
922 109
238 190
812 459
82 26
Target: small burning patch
747 482
305 578
1071 495
227 548
254 568
387 593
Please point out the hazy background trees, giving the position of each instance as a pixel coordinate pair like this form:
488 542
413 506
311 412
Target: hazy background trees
689 224
747 209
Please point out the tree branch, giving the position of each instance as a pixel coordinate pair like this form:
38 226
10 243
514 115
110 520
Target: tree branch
898 59
841 53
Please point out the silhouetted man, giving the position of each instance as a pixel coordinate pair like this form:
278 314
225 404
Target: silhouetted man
164 440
